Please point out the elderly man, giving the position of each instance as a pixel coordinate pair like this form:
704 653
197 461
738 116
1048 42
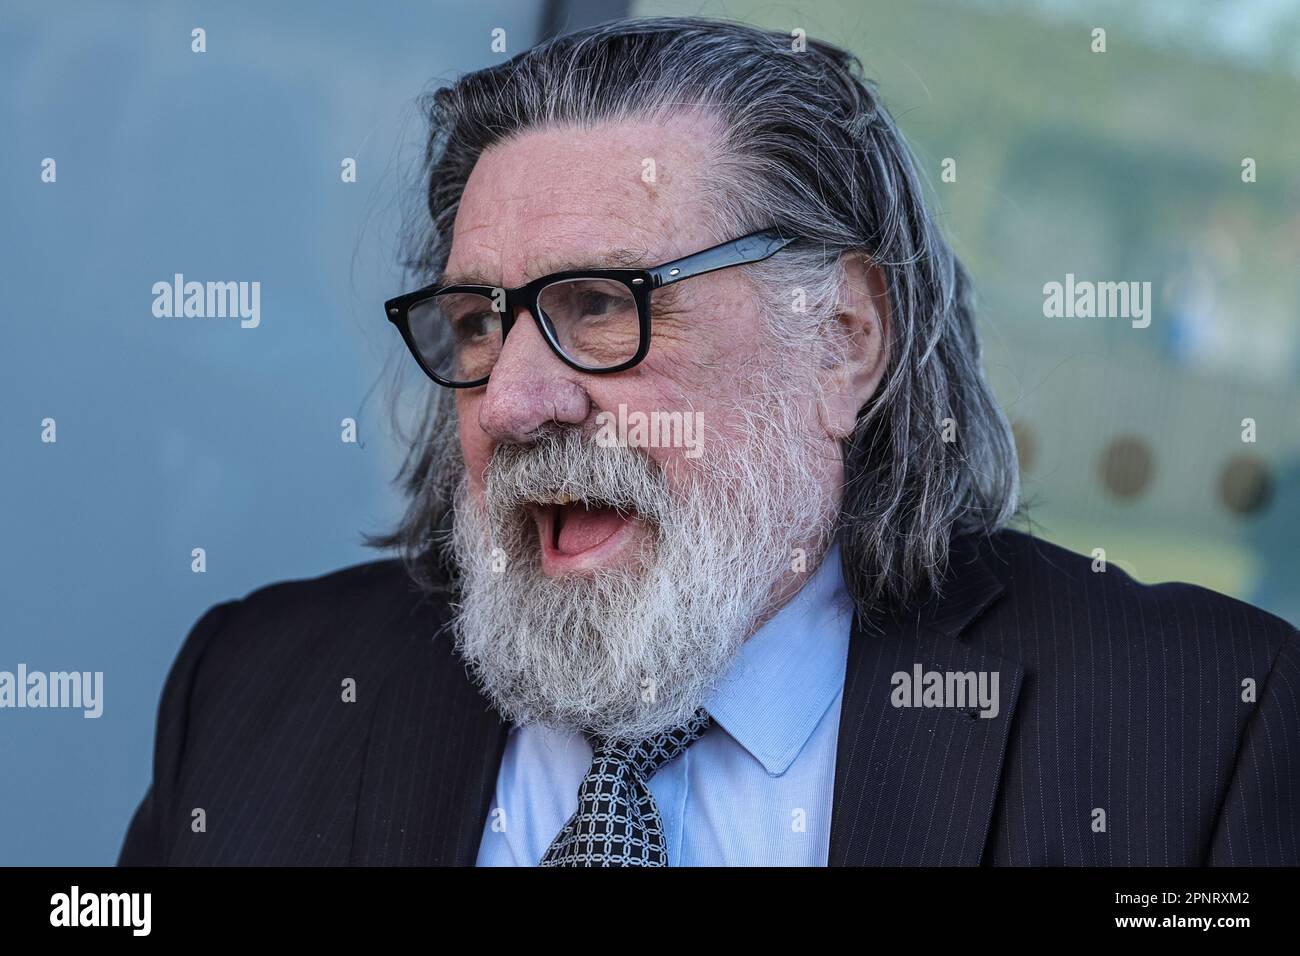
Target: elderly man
799 634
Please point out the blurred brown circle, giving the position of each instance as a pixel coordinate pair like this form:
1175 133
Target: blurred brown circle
1245 485
1026 445
1127 466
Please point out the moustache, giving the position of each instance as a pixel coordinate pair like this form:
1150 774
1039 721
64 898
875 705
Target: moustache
566 467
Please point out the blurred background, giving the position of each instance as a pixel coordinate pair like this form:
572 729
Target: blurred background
226 166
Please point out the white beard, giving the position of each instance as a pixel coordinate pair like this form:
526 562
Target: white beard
632 652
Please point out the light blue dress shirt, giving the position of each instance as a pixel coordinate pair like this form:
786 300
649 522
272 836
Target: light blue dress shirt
755 790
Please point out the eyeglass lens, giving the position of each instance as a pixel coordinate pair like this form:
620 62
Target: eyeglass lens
594 321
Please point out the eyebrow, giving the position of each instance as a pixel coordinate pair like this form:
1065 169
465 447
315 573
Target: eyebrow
614 259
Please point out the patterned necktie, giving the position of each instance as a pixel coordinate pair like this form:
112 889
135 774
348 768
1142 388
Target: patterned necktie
617 822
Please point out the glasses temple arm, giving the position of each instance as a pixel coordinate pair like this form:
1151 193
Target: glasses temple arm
752 248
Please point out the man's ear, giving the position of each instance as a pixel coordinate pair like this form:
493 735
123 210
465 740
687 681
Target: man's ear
863 322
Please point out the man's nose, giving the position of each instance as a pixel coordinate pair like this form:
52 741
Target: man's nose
529 387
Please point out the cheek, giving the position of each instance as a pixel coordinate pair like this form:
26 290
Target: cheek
693 414
713 370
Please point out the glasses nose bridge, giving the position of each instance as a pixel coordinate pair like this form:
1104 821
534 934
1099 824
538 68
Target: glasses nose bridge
525 299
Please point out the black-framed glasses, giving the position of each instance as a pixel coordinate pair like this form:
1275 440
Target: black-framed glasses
595 320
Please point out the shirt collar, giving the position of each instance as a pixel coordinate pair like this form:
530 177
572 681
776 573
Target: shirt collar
789 671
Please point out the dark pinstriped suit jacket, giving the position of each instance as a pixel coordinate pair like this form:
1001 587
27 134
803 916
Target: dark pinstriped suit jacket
1113 696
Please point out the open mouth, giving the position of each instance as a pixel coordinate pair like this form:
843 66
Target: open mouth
574 533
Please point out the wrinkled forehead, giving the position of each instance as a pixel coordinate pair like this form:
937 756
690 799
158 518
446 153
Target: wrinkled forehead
568 197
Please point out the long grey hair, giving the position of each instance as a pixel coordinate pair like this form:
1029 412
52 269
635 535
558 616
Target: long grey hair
807 147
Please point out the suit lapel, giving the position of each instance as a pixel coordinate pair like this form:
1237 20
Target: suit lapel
917 785
431 763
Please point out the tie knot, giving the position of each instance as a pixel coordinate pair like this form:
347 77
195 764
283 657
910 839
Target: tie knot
648 755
